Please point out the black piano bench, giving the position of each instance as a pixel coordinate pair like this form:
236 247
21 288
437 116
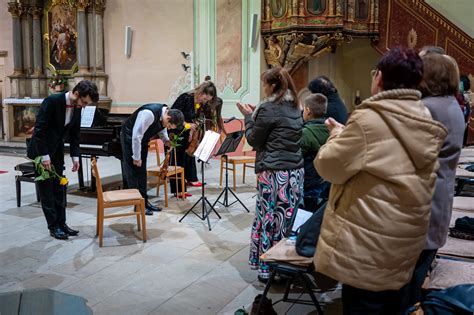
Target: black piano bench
27 175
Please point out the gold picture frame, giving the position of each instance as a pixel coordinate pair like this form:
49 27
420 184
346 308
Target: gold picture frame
60 27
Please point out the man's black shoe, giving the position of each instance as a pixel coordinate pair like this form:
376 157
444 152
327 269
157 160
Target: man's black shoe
151 207
57 233
66 229
148 211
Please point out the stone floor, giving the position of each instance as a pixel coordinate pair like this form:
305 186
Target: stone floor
183 268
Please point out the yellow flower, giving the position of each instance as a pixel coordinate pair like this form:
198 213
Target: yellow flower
187 126
63 181
197 106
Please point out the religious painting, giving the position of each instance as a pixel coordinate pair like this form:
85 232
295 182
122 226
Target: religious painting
316 6
362 9
228 45
24 118
61 51
278 8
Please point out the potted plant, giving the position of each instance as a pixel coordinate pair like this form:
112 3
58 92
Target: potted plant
57 83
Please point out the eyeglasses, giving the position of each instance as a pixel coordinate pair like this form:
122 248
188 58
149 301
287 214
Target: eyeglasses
373 72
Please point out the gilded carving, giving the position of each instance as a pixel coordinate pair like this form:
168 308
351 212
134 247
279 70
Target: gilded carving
412 38
82 4
14 8
59 2
36 12
273 52
99 6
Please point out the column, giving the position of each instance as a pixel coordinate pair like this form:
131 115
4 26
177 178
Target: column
17 79
15 9
91 37
38 81
82 37
37 60
99 8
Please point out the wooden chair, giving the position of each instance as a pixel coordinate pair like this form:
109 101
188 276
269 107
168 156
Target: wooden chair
174 171
117 198
247 161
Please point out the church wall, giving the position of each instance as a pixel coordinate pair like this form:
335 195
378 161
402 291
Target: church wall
161 30
349 69
6 44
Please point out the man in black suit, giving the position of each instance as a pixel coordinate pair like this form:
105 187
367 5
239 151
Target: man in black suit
146 122
59 116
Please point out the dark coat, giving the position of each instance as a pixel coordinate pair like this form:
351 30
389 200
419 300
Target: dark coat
444 109
336 108
315 135
49 133
275 134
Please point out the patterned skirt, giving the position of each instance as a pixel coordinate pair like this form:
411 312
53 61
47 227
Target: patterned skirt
278 194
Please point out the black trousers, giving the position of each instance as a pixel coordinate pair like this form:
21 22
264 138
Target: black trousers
363 302
133 176
411 293
53 195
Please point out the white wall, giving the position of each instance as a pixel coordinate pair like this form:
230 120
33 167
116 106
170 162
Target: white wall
161 30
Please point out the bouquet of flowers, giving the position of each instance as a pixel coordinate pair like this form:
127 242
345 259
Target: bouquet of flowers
174 139
57 82
46 174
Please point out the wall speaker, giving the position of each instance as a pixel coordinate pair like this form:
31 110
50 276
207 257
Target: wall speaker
128 41
254 32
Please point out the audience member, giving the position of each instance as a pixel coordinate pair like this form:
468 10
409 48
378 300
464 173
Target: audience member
336 108
439 87
274 131
382 168
315 134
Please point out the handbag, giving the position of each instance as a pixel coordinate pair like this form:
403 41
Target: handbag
308 234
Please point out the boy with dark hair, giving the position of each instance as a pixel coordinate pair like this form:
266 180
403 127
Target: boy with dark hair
315 134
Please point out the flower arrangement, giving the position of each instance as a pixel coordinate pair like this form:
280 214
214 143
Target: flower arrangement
174 139
46 174
57 82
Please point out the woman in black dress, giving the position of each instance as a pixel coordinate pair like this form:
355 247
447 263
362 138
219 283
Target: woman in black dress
191 103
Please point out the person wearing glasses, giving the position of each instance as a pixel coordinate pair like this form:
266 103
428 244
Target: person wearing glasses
382 169
59 115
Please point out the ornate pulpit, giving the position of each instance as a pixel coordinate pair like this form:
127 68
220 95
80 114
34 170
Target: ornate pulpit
295 31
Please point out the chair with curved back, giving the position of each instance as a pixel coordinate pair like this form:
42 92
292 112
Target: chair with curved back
117 198
248 161
174 171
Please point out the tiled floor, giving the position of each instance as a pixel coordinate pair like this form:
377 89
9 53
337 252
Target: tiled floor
182 269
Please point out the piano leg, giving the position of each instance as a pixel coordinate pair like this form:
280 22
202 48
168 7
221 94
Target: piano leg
80 174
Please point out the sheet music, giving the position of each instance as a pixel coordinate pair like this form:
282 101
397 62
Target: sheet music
207 145
301 217
87 116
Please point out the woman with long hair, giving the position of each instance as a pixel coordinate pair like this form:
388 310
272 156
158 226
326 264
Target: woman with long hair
191 104
274 130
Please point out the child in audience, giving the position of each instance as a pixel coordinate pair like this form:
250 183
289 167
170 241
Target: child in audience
315 134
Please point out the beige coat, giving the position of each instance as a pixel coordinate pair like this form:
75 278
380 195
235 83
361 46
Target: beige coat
383 170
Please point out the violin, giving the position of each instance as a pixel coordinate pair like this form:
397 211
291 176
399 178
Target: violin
196 138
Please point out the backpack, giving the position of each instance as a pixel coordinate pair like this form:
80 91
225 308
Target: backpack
308 234
457 300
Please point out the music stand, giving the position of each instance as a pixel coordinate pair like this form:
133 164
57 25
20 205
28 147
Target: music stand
203 153
229 145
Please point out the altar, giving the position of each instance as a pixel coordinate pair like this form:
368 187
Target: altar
21 113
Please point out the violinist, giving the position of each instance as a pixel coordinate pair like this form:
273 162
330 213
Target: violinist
193 104
145 123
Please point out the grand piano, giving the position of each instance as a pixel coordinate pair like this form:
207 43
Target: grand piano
102 139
